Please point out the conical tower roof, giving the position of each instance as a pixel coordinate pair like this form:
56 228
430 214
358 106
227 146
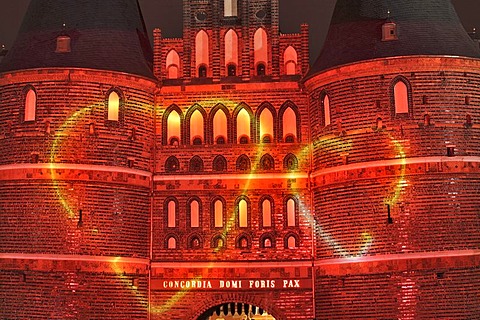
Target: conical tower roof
423 27
105 34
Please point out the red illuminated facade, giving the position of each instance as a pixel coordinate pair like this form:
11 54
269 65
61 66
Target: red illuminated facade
219 176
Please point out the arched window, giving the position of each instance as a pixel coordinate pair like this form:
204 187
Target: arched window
220 128
267 162
291 213
172 243
218 242
113 106
231 52
266 126
326 110
30 105
219 164
173 128
243 163
230 8
196 127
173 65
172 164
290 60
218 213
242 213
266 213
194 214
195 242
195 165
400 93
243 242
266 241
290 162
243 126
201 53
261 51
171 213
289 124
291 242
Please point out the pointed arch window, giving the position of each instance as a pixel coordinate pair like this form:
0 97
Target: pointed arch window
30 105
291 213
266 126
242 213
243 163
196 128
219 164
194 208
260 44
172 164
326 110
202 53
196 164
218 213
113 106
173 128
289 125
173 65
401 99
267 162
171 213
266 213
231 52
290 162
230 8
220 128
290 60
243 126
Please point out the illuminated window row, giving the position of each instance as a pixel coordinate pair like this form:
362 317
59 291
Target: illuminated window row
114 101
232 56
243 164
401 100
240 217
243 241
197 127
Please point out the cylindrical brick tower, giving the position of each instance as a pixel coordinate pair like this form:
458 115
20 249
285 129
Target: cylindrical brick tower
76 137
396 163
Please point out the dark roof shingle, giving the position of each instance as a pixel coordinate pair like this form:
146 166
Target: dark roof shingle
425 27
106 35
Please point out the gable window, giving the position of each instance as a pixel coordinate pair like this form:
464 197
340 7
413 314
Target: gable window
202 53
289 125
173 128
266 126
291 242
219 164
173 65
260 43
220 127
196 128
196 164
30 105
231 52
290 59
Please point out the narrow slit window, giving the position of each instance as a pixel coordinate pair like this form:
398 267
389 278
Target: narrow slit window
243 214
194 214
267 213
172 214
218 214
291 213
326 110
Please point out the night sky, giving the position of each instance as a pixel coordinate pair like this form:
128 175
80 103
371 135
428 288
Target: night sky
167 15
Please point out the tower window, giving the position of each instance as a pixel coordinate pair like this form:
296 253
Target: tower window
326 110
113 106
30 105
401 99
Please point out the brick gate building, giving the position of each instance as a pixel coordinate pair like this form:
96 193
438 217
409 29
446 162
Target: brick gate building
218 176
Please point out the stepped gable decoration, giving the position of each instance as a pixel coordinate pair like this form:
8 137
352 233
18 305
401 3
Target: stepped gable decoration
106 35
423 27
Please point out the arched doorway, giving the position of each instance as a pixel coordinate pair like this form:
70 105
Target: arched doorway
236 311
